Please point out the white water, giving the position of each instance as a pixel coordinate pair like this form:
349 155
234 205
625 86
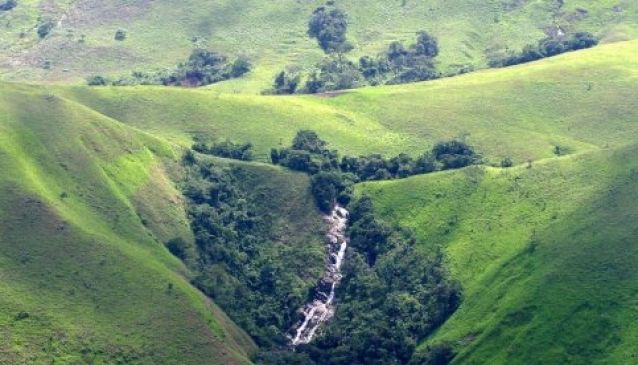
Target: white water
321 309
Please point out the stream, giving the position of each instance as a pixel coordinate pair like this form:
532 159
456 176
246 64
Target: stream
321 308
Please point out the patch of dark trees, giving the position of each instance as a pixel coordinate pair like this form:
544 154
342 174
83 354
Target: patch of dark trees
202 68
225 149
8 5
333 176
392 296
398 64
237 259
548 47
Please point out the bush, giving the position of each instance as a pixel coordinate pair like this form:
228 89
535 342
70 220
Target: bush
454 154
226 149
334 74
327 187
178 247
547 47
286 82
203 67
120 35
507 163
8 5
45 25
97 81
311 154
426 45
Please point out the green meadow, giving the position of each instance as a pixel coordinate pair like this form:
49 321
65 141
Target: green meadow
545 251
273 33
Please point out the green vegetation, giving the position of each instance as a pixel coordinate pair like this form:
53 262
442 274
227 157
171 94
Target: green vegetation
544 255
391 297
541 237
310 154
250 257
202 68
226 149
8 5
329 26
274 34
532 108
548 47
85 206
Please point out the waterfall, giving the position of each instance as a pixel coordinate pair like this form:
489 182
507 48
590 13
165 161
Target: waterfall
321 308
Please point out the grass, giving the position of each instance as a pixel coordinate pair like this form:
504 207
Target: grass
579 101
83 280
273 33
545 255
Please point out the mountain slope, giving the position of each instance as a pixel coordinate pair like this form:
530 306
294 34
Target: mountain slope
83 280
545 255
273 34
579 101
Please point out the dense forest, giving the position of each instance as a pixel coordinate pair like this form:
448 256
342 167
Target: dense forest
392 295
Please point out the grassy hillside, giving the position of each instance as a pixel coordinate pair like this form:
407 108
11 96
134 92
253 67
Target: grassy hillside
273 33
84 275
578 101
545 255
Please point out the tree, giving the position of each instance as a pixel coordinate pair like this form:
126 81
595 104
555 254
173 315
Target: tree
329 27
326 188
308 140
334 74
426 45
240 67
8 5
454 154
286 82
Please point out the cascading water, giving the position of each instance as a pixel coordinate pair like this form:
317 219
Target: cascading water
321 309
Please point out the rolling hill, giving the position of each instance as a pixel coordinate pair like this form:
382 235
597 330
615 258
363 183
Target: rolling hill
89 193
273 34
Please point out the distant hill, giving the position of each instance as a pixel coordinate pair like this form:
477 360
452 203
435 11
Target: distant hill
272 34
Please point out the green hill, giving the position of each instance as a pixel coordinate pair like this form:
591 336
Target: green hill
545 255
273 34
578 101
88 191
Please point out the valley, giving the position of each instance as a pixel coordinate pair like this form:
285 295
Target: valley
483 216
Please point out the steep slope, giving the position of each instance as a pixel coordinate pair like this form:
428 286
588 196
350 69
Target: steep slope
546 255
160 33
579 101
83 279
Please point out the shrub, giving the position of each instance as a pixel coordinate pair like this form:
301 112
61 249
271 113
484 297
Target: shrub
547 47
96 80
507 163
454 154
120 35
334 74
326 188
226 149
178 247
426 45
240 67
45 25
286 82
8 5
